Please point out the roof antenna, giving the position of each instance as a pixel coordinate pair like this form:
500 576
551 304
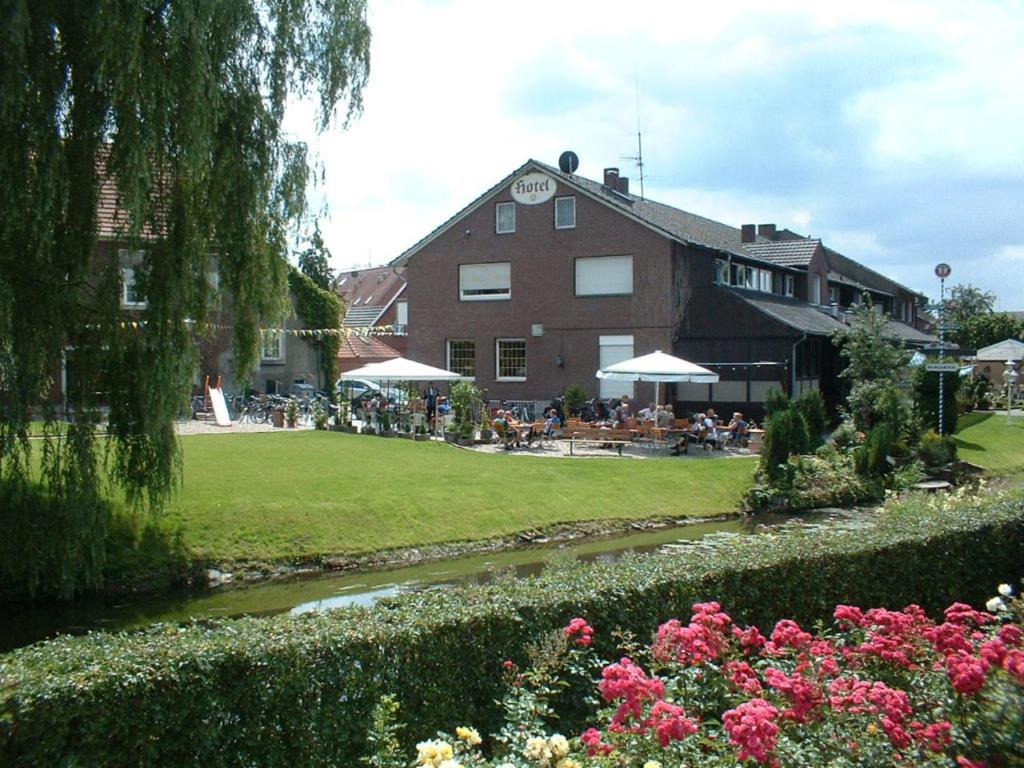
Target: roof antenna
638 158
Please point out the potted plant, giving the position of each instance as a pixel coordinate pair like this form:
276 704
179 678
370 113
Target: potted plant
320 416
465 432
574 398
291 413
385 425
421 433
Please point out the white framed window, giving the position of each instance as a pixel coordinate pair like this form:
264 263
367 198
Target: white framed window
504 218
750 280
132 296
510 359
787 285
604 276
402 312
565 213
766 281
833 294
815 289
462 357
485 282
611 350
272 345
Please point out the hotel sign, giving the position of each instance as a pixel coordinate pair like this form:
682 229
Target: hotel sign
533 189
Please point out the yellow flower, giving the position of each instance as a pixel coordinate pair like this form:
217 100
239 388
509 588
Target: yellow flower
537 749
433 753
450 764
567 762
872 729
559 745
469 735
652 764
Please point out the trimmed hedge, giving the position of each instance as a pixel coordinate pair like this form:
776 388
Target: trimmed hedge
300 690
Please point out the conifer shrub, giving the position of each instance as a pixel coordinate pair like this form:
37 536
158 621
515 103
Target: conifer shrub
811 406
786 435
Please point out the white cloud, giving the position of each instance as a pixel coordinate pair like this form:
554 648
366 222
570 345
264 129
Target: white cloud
460 94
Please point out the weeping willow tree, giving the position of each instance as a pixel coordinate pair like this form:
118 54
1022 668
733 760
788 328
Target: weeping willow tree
176 106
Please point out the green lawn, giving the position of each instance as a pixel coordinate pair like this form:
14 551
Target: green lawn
275 496
991 440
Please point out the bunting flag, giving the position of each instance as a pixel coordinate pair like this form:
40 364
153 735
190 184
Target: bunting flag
305 333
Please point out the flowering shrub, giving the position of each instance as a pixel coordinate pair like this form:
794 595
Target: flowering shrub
883 687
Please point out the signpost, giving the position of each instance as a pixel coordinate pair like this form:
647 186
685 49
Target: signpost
942 367
942 271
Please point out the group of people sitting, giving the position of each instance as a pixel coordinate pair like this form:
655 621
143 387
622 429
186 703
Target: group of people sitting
708 431
519 434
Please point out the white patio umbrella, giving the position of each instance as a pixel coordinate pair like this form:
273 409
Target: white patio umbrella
657 367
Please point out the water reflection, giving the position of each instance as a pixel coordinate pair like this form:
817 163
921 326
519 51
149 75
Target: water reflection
22 626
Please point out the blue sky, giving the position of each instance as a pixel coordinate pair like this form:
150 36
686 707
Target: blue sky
892 130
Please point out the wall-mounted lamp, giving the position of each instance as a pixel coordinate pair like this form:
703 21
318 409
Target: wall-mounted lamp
467 233
559 361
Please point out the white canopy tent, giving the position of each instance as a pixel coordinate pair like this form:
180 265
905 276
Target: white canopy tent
658 367
400 369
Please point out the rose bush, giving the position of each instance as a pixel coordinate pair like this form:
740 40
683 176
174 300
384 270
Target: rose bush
881 687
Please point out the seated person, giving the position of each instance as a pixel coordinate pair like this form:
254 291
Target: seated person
601 412
552 423
710 413
737 429
647 414
695 434
665 417
502 429
712 435
621 415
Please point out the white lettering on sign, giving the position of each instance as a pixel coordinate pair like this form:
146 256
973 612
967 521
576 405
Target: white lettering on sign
533 189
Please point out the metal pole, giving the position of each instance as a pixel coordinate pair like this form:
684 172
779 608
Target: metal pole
942 353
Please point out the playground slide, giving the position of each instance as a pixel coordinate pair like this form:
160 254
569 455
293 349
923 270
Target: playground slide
220 408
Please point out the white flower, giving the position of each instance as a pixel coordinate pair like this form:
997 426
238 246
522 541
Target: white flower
559 745
995 605
450 764
537 749
652 764
1005 590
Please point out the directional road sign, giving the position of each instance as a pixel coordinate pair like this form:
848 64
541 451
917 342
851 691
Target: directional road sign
942 367
949 327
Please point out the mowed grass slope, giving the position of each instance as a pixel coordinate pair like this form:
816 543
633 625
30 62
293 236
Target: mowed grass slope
294 495
991 440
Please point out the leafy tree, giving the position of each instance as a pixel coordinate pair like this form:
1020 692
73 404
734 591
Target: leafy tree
968 301
982 330
873 367
178 106
314 262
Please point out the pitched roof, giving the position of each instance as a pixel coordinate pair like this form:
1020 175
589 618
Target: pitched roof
908 333
359 347
785 253
1008 349
685 227
368 293
792 312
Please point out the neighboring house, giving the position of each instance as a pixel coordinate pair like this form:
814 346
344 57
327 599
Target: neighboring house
547 277
374 298
990 361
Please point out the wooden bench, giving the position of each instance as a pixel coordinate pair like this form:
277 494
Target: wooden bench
615 437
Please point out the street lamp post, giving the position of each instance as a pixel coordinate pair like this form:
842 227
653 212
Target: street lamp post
942 272
1011 376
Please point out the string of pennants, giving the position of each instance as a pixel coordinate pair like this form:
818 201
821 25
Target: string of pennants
302 333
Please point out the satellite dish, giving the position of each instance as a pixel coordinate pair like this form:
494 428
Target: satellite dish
568 162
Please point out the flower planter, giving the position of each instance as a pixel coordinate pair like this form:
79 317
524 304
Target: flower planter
421 438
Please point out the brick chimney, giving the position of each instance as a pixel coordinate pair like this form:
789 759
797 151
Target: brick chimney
611 178
747 232
623 185
766 230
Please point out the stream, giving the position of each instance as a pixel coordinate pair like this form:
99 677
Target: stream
24 625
